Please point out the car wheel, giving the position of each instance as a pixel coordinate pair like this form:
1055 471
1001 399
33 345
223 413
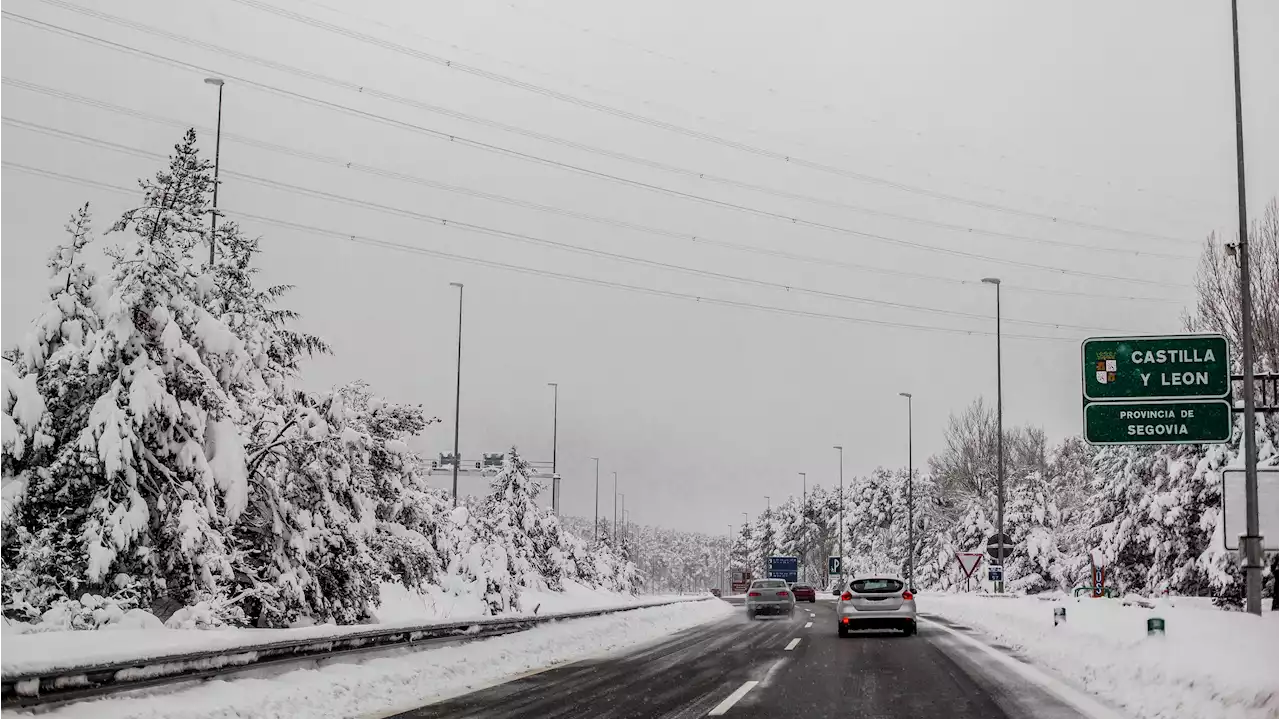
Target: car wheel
813 600
910 630
843 630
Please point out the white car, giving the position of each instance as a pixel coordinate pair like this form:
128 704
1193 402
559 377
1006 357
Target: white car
769 596
876 601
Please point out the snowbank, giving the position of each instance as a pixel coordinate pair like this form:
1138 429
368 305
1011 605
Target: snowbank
1210 663
28 652
400 605
411 679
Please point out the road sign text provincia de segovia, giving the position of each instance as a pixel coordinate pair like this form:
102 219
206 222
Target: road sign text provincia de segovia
1168 389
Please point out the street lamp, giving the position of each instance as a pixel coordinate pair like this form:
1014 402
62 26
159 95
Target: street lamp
840 448
595 526
1252 541
999 442
555 430
457 398
804 518
911 503
217 153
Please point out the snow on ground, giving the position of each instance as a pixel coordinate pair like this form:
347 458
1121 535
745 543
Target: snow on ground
1210 663
407 680
45 651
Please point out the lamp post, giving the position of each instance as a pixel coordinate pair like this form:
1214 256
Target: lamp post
217 155
911 503
457 398
1252 542
595 525
624 518
840 448
555 430
615 508
804 520
999 441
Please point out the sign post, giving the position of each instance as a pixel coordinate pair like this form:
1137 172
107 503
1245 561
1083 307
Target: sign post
968 564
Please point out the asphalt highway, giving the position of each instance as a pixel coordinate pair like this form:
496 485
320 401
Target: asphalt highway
774 668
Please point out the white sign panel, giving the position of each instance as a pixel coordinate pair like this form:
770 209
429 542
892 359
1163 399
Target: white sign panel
1233 508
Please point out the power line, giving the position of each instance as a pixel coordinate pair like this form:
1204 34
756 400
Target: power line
591 149
497 149
540 272
413 179
673 127
719 74
529 239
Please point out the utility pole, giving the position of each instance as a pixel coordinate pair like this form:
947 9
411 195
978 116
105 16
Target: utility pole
217 155
457 398
615 509
555 430
911 504
624 518
999 442
595 525
1252 542
841 502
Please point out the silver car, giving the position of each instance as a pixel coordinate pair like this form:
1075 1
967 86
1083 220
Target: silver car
876 601
769 596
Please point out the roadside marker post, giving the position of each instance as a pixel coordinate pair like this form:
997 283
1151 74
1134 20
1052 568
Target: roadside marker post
1059 615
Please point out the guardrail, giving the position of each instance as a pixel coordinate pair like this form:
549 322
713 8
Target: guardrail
67 684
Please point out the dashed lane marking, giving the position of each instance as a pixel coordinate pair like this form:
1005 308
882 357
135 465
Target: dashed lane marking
808 624
732 699
792 644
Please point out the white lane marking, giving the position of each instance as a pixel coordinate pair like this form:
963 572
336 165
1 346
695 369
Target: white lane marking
792 644
1087 705
732 699
808 624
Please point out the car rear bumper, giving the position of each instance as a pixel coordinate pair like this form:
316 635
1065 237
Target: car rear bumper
769 607
905 614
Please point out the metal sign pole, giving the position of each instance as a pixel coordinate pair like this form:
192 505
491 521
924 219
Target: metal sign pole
1253 543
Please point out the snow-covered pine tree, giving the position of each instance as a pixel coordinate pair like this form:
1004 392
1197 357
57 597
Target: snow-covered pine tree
169 458
46 381
515 520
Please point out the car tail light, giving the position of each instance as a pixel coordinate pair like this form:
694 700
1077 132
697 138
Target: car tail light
845 620
906 596
846 597
753 594
782 594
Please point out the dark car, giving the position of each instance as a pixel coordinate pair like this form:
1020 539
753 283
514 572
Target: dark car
804 593
715 592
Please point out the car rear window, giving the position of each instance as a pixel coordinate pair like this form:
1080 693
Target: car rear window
802 586
876 586
776 584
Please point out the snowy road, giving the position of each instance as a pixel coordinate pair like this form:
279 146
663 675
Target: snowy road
772 668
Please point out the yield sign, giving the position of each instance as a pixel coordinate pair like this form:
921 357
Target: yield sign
968 562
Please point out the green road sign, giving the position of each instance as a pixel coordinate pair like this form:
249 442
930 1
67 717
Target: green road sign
1158 367
1205 421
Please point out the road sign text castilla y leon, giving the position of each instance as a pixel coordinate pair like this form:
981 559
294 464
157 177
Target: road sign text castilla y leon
1162 389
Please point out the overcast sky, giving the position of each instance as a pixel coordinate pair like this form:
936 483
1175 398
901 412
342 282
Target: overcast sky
1080 151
